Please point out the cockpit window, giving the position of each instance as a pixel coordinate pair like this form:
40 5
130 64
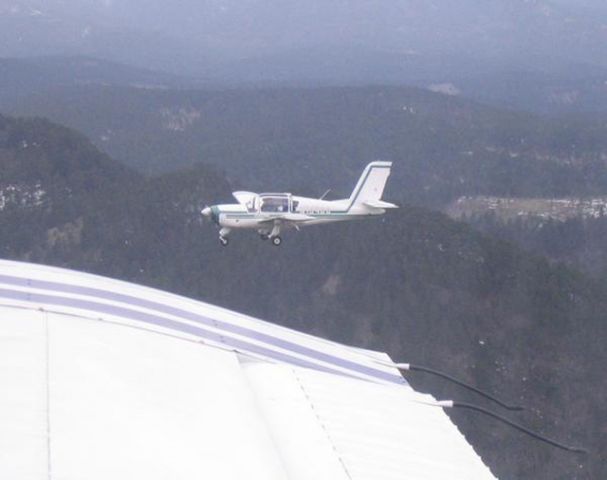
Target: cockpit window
275 204
295 204
251 205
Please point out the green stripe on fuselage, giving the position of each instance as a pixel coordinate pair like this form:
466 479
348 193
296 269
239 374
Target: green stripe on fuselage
313 215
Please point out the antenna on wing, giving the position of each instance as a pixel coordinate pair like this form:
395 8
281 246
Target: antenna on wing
452 404
408 367
516 426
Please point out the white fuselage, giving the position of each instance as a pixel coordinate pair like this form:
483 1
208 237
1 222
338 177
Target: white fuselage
234 216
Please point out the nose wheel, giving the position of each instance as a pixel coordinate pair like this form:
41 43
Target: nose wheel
276 241
224 241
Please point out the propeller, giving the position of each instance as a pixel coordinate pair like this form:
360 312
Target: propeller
206 211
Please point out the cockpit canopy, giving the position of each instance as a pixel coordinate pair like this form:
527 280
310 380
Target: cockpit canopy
275 202
267 202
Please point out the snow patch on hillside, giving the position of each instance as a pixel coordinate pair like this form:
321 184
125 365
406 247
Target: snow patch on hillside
505 208
564 97
178 120
25 196
444 88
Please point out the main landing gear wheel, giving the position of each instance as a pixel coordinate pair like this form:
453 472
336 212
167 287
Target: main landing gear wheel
276 241
224 241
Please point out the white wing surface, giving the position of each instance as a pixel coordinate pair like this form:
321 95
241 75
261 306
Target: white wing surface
243 197
105 379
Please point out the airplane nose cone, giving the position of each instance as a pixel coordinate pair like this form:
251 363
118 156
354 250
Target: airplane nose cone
206 211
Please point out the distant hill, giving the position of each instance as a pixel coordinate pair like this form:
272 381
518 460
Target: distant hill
279 139
538 85
425 288
547 89
20 77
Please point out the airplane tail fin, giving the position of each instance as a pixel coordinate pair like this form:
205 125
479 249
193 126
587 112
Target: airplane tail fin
370 186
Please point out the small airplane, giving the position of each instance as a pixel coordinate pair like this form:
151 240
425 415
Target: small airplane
270 213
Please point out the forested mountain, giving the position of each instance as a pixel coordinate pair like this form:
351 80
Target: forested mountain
580 242
425 288
572 230
442 146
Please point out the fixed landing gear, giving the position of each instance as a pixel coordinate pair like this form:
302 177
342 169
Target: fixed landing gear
275 235
223 237
275 238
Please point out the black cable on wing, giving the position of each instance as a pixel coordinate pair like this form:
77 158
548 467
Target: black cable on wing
418 368
514 425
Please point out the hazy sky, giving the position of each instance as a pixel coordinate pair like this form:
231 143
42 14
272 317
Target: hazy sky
141 30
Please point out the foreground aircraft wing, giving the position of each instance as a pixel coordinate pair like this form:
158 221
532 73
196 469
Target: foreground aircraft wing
243 197
107 379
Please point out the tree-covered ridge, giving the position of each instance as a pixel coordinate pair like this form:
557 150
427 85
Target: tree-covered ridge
416 284
36 149
578 242
442 146
49 176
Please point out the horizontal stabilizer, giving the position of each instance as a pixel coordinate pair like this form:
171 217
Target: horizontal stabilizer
379 204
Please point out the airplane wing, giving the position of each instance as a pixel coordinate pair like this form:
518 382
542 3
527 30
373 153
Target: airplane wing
169 387
243 197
